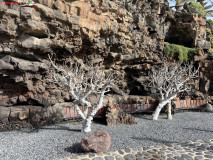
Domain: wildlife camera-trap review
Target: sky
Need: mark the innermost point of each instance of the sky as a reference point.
(173, 4)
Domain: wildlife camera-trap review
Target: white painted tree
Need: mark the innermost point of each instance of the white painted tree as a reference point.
(170, 80)
(81, 81)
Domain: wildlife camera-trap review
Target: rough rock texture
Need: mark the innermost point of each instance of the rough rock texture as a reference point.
(128, 36)
(188, 29)
(206, 80)
(99, 142)
(115, 116)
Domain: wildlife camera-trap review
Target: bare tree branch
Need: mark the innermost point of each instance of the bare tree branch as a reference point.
(81, 81)
(171, 79)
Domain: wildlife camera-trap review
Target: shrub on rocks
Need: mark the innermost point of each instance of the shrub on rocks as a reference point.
(183, 54)
(195, 7)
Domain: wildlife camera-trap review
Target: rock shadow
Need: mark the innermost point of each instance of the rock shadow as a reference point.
(75, 148)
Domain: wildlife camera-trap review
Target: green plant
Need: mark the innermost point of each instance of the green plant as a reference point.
(210, 22)
(208, 31)
(178, 4)
(211, 41)
(183, 53)
(208, 9)
(210, 35)
(195, 7)
(210, 52)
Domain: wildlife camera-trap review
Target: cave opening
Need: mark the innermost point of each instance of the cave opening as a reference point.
(138, 90)
(180, 36)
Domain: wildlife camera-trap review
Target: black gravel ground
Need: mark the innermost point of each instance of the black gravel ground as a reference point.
(62, 140)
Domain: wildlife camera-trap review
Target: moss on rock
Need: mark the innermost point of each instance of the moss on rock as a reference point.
(179, 51)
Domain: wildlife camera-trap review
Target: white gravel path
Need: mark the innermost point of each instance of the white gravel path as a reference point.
(62, 140)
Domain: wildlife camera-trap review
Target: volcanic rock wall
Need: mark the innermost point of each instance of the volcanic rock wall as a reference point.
(123, 34)
(127, 35)
(188, 30)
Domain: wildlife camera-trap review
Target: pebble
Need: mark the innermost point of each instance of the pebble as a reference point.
(109, 158)
(129, 157)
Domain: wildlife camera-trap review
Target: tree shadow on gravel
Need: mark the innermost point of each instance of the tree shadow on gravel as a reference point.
(143, 117)
(149, 116)
(58, 127)
(75, 148)
(33, 130)
(153, 140)
(196, 129)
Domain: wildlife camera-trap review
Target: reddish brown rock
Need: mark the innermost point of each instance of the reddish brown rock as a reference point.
(98, 142)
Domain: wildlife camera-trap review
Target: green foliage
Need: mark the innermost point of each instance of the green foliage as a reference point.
(181, 1)
(195, 7)
(183, 53)
(210, 22)
(210, 52)
(208, 31)
(208, 9)
(211, 42)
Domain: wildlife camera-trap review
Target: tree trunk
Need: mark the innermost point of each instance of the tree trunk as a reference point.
(161, 105)
(158, 109)
(87, 124)
(201, 2)
(178, 7)
(88, 121)
(169, 111)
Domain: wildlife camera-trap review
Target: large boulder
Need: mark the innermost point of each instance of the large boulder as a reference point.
(34, 28)
(31, 42)
(98, 142)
